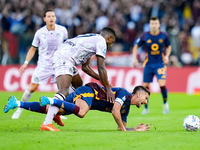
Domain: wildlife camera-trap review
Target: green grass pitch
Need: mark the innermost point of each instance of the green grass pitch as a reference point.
(97, 131)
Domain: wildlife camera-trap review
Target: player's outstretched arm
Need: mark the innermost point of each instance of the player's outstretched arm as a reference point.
(117, 116)
(135, 60)
(29, 56)
(104, 78)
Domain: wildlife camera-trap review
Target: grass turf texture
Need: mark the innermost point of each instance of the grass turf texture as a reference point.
(98, 129)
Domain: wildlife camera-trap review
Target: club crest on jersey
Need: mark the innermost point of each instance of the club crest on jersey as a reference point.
(36, 79)
(160, 40)
(149, 41)
(58, 35)
(44, 36)
(70, 70)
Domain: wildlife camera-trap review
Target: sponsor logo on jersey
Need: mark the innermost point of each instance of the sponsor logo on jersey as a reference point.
(122, 111)
(104, 51)
(62, 106)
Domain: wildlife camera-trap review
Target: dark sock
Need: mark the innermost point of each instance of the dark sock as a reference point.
(146, 106)
(164, 93)
(69, 107)
(33, 106)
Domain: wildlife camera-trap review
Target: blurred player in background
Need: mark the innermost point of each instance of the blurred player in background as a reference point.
(155, 42)
(91, 97)
(78, 51)
(47, 40)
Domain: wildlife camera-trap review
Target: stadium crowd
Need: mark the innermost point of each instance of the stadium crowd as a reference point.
(19, 19)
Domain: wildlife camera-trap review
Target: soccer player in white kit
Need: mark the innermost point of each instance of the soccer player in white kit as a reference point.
(78, 51)
(47, 40)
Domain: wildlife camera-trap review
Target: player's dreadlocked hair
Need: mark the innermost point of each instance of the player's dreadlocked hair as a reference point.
(140, 88)
(109, 31)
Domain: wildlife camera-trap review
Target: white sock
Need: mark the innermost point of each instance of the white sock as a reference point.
(18, 103)
(71, 89)
(26, 96)
(53, 110)
(51, 100)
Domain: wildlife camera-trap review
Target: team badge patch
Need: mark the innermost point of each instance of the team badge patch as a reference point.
(70, 70)
(149, 41)
(36, 79)
(58, 35)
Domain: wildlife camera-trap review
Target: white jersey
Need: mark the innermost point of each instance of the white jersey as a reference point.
(79, 49)
(48, 42)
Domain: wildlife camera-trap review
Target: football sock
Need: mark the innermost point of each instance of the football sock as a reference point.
(71, 89)
(146, 106)
(53, 110)
(33, 106)
(26, 96)
(69, 107)
(164, 93)
(18, 103)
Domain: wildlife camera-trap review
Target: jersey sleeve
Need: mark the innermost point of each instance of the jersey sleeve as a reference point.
(101, 47)
(124, 101)
(140, 40)
(124, 116)
(65, 34)
(167, 41)
(121, 97)
(36, 40)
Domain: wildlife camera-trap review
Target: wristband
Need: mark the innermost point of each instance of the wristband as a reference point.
(26, 62)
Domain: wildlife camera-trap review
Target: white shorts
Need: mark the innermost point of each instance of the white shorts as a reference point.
(62, 67)
(41, 75)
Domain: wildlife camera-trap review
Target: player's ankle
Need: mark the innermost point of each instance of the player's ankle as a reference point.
(47, 122)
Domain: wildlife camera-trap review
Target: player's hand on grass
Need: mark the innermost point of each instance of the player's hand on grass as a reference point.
(110, 96)
(142, 127)
(23, 67)
(135, 62)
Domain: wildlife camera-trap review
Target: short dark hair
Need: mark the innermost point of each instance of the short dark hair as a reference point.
(47, 11)
(140, 88)
(154, 18)
(109, 31)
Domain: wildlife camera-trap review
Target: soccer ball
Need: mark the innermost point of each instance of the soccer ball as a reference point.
(191, 123)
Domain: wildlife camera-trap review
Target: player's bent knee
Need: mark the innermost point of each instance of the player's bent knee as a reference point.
(81, 115)
(77, 84)
(65, 91)
(32, 89)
